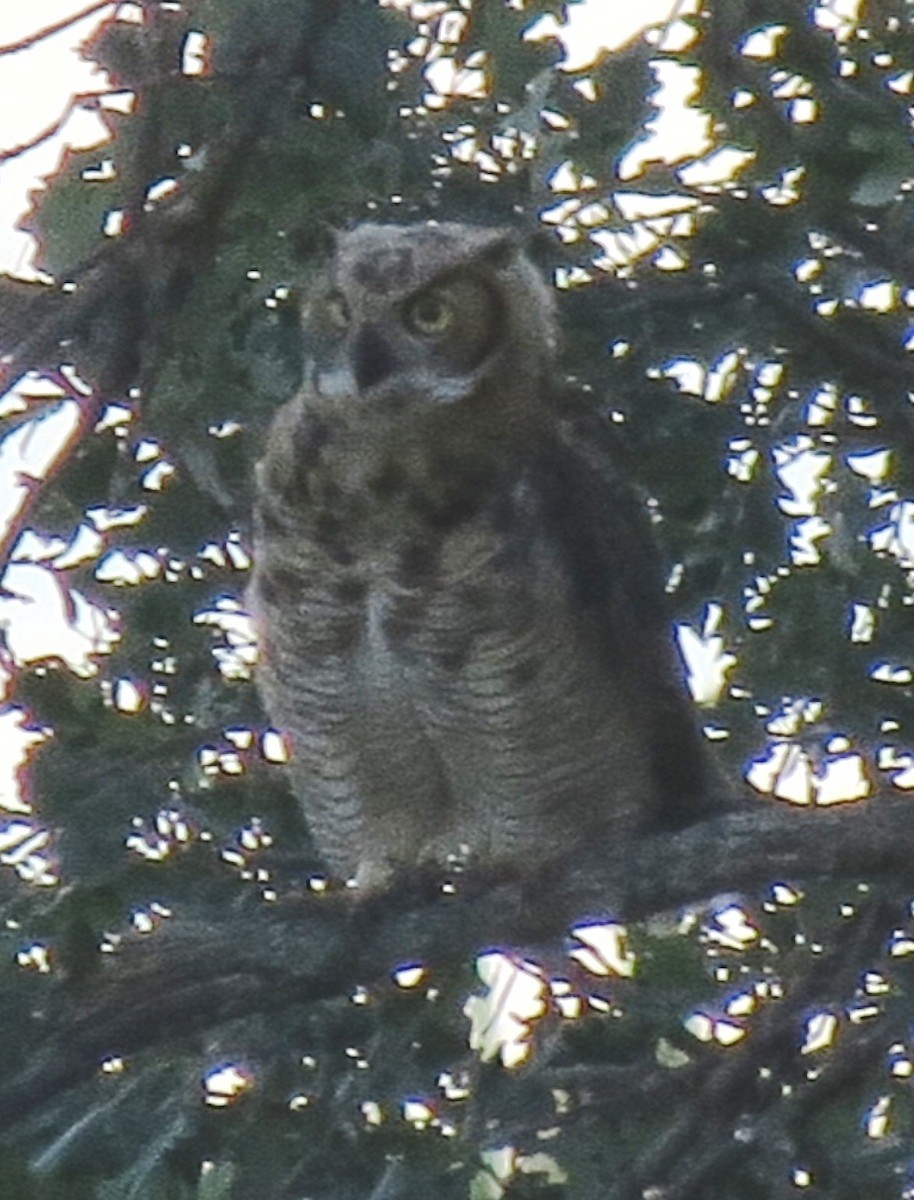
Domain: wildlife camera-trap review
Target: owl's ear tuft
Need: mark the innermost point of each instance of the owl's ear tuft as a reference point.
(502, 251)
(507, 245)
(541, 246)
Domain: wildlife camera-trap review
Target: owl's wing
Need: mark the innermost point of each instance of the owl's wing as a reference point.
(619, 581)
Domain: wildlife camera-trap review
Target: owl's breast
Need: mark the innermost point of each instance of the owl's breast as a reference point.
(506, 678)
(427, 649)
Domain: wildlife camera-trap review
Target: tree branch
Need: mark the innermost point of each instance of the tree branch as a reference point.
(49, 30)
(87, 100)
(731, 1093)
(196, 975)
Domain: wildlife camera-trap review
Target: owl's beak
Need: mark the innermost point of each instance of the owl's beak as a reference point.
(372, 361)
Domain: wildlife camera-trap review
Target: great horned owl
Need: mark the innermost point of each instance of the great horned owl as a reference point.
(462, 625)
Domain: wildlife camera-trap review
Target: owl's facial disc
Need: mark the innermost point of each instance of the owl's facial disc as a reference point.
(430, 314)
(336, 312)
(351, 357)
(433, 342)
(371, 358)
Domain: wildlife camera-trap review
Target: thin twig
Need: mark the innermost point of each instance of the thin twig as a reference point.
(86, 100)
(49, 30)
(89, 408)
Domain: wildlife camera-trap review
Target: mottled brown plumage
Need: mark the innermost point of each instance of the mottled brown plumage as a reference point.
(462, 622)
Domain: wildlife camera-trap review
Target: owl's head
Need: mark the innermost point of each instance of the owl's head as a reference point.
(427, 311)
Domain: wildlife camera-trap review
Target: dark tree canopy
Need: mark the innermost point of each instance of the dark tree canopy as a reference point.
(188, 1012)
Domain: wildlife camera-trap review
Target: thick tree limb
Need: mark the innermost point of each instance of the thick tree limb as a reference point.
(196, 975)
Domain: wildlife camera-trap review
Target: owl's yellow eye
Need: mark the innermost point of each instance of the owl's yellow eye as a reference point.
(336, 311)
(430, 314)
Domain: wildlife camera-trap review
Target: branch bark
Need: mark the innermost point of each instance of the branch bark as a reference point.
(306, 948)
